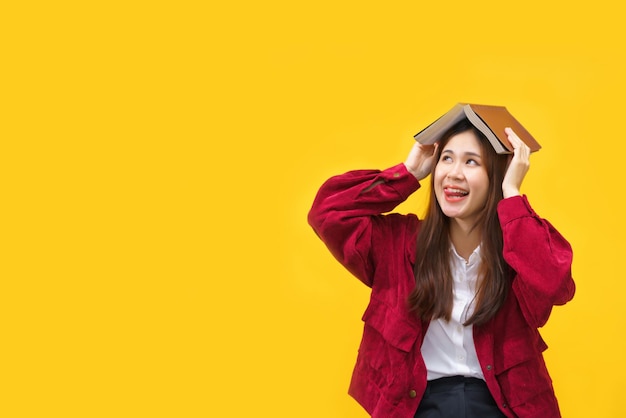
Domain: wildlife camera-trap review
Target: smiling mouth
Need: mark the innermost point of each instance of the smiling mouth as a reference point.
(454, 194)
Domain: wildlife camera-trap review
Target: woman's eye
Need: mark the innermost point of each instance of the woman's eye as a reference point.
(446, 158)
(472, 162)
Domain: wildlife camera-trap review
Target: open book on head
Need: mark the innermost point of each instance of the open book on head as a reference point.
(490, 120)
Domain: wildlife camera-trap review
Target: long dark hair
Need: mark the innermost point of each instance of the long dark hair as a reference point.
(433, 294)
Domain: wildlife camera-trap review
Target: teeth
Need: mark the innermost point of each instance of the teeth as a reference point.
(457, 191)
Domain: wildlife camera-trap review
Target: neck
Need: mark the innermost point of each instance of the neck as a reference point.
(464, 237)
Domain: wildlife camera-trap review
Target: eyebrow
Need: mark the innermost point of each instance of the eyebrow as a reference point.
(468, 153)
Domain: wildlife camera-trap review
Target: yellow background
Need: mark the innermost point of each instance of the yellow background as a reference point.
(158, 160)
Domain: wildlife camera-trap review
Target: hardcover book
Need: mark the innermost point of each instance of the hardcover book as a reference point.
(490, 120)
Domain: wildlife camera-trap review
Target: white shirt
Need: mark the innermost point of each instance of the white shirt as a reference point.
(448, 348)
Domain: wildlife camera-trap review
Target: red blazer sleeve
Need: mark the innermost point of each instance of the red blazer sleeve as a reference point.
(540, 257)
(345, 208)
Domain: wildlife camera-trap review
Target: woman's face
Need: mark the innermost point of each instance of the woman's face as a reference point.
(461, 182)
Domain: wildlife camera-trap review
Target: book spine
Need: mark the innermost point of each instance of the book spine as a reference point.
(485, 129)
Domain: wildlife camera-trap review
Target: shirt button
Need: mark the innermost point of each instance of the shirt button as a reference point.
(412, 393)
(396, 175)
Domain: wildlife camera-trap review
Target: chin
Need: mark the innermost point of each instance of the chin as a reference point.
(452, 214)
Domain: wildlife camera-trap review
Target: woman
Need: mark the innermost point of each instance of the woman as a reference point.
(456, 298)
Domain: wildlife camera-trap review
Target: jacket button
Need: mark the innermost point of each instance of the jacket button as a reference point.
(412, 393)
(489, 367)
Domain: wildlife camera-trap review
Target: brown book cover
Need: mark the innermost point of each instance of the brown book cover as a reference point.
(490, 120)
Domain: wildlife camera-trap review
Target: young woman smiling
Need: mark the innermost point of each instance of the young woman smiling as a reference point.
(457, 298)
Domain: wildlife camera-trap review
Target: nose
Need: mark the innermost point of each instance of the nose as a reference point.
(456, 171)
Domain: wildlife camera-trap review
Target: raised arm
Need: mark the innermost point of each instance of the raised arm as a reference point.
(537, 252)
(344, 209)
(348, 206)
(541, 257)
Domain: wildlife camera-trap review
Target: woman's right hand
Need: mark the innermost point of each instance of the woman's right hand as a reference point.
(421, 159)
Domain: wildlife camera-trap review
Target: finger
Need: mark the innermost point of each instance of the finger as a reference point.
(519, 147)
(513, 138)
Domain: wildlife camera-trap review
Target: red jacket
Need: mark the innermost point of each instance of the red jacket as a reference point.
(389, 378)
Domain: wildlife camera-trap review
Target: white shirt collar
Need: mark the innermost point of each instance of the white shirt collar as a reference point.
(473, 258)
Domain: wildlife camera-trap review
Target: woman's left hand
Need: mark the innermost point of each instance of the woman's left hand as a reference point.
(518, 165)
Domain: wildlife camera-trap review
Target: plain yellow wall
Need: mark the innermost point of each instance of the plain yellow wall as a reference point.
(159, 159)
